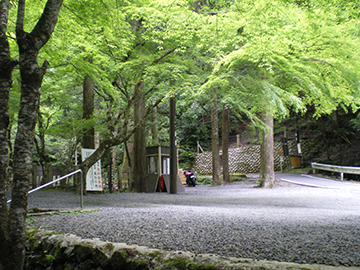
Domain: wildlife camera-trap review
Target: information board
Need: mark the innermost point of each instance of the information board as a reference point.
(93, 176)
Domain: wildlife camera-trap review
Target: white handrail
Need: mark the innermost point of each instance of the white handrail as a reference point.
(336, 168)
(59, 179)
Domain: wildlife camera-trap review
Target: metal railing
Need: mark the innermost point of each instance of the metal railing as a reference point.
(335, 168)
(59, 179)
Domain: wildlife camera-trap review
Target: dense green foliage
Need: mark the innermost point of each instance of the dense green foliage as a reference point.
(285, 56)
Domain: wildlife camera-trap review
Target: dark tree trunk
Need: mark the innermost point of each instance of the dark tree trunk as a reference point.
(225, 143)
(127, 163)
(154, 127)
(6, 67)
(215, 140)
(126, 170)
(88, 140)
(139, 166)
(12, 248)
(267, 174)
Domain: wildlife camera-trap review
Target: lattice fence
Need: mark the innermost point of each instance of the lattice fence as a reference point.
(244, 159)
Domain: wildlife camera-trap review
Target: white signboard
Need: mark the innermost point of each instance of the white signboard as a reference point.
(93, 176)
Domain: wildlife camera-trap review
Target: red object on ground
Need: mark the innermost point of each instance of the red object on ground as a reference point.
(162, 183)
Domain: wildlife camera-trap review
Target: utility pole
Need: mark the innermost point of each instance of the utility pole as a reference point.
(173, 161)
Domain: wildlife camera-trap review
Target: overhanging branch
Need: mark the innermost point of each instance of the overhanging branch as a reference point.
(168, 52)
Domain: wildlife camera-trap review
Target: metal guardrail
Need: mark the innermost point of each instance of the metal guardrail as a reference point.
(335, 168)
(59, 179)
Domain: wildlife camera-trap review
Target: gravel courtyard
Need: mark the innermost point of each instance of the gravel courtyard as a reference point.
(287, 223)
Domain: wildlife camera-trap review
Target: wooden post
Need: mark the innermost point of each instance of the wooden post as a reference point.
(173, 162)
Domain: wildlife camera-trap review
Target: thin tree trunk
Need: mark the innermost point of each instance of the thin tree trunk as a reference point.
(113, 163)
(44, 159)
(215, 140)
(139, 166)
(225, 143)
(113, 159)
(267, 174)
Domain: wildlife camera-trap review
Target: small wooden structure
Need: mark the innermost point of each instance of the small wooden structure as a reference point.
(158, 169)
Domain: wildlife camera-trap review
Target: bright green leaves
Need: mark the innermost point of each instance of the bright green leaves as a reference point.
(290, 56)
(258, 54)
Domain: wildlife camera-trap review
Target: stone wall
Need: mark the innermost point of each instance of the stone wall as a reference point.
(245, 159)
(47, 250)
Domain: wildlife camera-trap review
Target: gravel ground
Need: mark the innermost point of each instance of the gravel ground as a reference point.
(287, 223)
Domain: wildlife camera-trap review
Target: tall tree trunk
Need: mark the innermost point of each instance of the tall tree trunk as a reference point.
(88, 140)
(215, 140)
(29, 106)
(139, 166)
(6, 67)
(12, 248)
(113, 159)
(154, 127)
(128, 162)
(113, 163)
(267, 174)
(225, 143)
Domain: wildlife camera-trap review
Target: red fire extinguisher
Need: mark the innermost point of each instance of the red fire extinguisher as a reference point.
(162, 183)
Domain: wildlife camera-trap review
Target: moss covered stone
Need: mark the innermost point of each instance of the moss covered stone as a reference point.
(118, 259)
(99, 257)
(87, 265)
(196, 266)
(71, 252)
(83, 252)
(178, 263)
(58, 252)
(181, 263)
(46, 260)
(108, 247)
(137, 264)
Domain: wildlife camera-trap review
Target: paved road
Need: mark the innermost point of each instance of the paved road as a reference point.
(318, 182)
